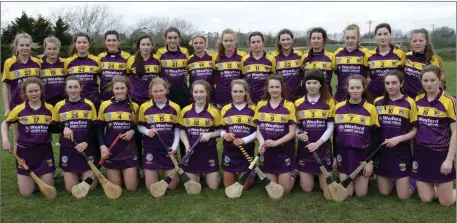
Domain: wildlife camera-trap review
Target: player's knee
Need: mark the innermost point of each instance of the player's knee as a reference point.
(361, 193)
(68, 188)
(172, 186)
(403, 196)
(446, 202)
(26, 192)
(384, 191)
(131, 187)
(426, 198)
(306, 188)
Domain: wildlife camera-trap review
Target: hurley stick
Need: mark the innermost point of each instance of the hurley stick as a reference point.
(236, 189)
(110, 148)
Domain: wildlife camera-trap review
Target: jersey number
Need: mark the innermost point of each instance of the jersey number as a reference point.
(174, 64)
(425, 112)
(196, 122)
(287, 64)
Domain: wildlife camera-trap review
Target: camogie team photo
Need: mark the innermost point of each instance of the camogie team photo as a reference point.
(331, 122)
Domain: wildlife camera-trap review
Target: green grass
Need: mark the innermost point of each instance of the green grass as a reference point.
(213, 206)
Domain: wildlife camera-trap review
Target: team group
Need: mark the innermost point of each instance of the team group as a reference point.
(272, 98)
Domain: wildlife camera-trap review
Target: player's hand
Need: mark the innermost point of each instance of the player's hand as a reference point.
(81, 147)
(238, 142)
(104, 152)
(335, 165)
(68, 133)
(270, 143)
(446, 167)
(205, 137)
(392, 142)
(303, 137)
(152, 132)
(262, 150)
(229, 137)
(127, 135)
(171, 152)
(368, 170)
(6, 145)
(313, 146)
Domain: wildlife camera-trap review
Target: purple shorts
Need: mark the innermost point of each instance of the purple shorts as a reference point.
(306, 162)
(233, 161)
(38, 157)
(157, 159)
(203, 160)
(427, 165)
(280, 159)
(121, 164)
(394, 162)
(348, 159)
(71, 161)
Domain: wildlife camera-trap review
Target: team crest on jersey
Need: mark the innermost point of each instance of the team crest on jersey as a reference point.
(42, 72)
(437, 113)
(379, 109)
(262, 117)
(72, 69)
(121, 66)
(359, 59)
(103, 65)
(249, 120)
(283, 118)
(401, 111)
(49, 162)
(164, 63)
(47, 119)
(229, 120)
(149, 157)
(402, 166)
(25, 119)
(64, 159)
(393, 63)
(151, 118)
(287, 161)
(261, 159)
(339, 158)
(187, 122)
(340, 117)
(212, 162)
(192, 65)
(86, 114)
(324, 66)
(301, 114)
(17, 73)
(339, 59)
(362, 120)
(110, 116)
(227, 159)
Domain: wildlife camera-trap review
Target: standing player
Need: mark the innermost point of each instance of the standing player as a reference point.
(276, 124)
(397, 117)
(200, 65)
(113, 62)
(238, 129)
(85, 67)
(227, 66)
(315, 116)
(433, 159)
(173, 60)
(34, 147)
(350, 59)
(15, 70)
(201, 118)
(317, 57)
(75, 117)
(384, 58)
(356, 123)
(118, 116)
(288, 63)
(52, 71)
(422, 54)
(257, 66)
(159, 116)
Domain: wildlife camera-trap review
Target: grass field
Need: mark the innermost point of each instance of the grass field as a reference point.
(214, 206)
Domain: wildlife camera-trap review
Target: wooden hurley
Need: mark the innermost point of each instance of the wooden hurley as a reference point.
(274, 190)
(82, 189)
(48, 191)
(333, 191)
(236, 189)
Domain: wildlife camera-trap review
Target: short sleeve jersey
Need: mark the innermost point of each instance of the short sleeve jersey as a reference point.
(200, 68)
(256, 72)
(413, 66)
(139, 85)
(173, 65)
(195, 123)
(112, 64)
(87, 69)
(238, 122)
(289, 67)
(324, 61)
(274, 122)
(53, 78)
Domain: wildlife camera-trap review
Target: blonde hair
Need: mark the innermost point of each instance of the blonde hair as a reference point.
(51, 39)
(198, 36)
(220, 46)
(244, 84)
(16, 42)
(157, 81)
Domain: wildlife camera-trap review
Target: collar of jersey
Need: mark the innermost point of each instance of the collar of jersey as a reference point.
(67, 100)
(358, 105)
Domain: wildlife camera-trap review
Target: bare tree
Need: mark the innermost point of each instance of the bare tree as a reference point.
(156, 26)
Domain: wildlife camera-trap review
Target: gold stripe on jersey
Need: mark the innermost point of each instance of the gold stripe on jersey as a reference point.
(394, 110)
(113, 66)
(35, 119)
(83, 69)
(26, 72)
(379, 64)
(313, 113)
(229, 65)
(257, 68)
(52, 72)
(200, 64)
(178, 63)
(198, 122)
(349, 60)
(353, 119)
(288, 64)
(239, 119)
(318, 65)
(275, 118)
(158, 118)
(76, 114)
(430, 112)
(118, 116)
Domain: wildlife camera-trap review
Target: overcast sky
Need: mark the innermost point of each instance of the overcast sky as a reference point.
(267, 16)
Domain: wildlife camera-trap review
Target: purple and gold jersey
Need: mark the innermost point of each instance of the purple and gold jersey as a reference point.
(33, 124)
(413, 66)
(238, 122)
(313, 118)
(53, 78)
(434, 119)
(397, 117)
(139, 86)
(346, 64)
(165, 120)
(117, 119)
(79, 116)
(354, 123)
(256, 72)
(15, 72)
(87, 69)
(173, 65)
(200, 68)
(289, 67)
(274, 122)
(227, 69)
(112, 64)
(324, 61)
(196, 123)
(379, 65)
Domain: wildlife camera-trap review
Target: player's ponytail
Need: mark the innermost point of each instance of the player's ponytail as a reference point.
(357, 30)
(220, 46)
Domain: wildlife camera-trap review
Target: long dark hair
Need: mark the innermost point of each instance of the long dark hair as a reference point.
(362, 79)
(284, 89)
(73, 46)
(310, 33)
(139, 61)
(278, 38)
(387, 26)
(400, 76)
(316, 74)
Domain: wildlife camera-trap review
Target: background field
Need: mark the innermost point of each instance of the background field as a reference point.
(214, 206)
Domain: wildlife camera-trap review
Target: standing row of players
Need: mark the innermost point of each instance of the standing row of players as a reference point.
(357, 125)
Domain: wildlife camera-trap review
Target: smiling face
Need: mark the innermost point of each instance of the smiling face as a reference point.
(256, 44)
(313, 87)
(418, 42)
(199, 44)
(199, 94)
(24, 46)
(172, 40)
(355, 89)
(238, 94)
(120, 91)
(82, 45)
(383, 36)
(392, 84)
(159, 93)
(145, 46)
(73, 89)
(286, 41)
(33, 92)
(51, 50)
(111, 43)
(350, 39)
